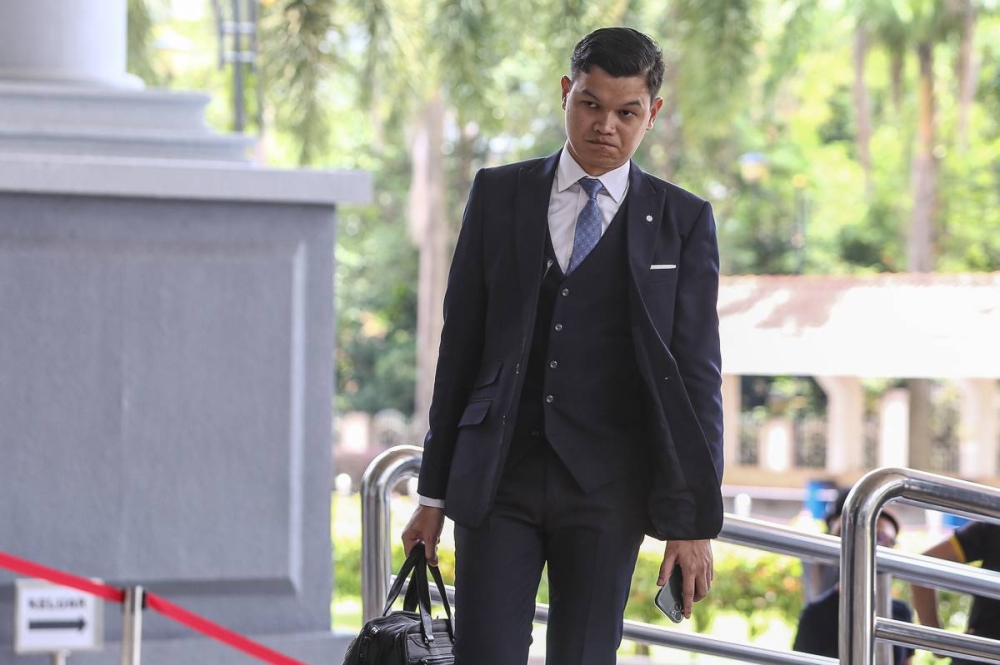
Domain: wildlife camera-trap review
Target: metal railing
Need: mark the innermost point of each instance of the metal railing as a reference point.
(862, 628)
(403, 462)
(381, 476)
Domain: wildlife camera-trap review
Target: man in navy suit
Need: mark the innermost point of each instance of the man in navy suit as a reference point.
(577, 401)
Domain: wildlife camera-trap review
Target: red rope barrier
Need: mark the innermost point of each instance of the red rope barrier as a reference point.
(202, 625)
(32, 569)
(161, 605)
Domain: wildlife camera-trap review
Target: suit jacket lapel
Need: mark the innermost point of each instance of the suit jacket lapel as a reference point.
(645, 215)
(534, 187)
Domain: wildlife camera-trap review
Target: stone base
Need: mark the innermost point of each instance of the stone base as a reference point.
(38, 118)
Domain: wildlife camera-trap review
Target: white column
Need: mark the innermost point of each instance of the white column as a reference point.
(894, 428)
(845, 412)
(979, 430)
(65, 41)
(777, 445)
(731, 401)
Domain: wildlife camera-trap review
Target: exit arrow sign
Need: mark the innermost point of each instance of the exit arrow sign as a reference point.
(49, 618)
(57, 625)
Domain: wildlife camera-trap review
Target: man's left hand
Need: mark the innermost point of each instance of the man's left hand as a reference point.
(695, 559)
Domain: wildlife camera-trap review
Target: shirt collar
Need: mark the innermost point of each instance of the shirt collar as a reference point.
(569, 172)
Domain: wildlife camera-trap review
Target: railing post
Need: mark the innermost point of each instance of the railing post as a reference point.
(857, 563)
(883, 605)
(376, 538)
(857, 559)
(132, 625)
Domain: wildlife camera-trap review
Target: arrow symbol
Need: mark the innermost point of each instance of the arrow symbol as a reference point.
(57, 625)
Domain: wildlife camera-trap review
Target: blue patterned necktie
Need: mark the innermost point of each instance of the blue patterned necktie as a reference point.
(588, 224)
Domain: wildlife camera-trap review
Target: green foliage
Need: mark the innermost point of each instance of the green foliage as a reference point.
(761, 587)
(344, 83)
(141, 60)
(376, 307)
(298, 58)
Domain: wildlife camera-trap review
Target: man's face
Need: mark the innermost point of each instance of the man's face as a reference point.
(606, 118)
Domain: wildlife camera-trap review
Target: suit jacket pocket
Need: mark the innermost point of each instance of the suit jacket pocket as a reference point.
(488, 373)
(475, 412)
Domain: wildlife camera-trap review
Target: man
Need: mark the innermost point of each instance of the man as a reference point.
(976, 541)
(819, 624)
(577, 401)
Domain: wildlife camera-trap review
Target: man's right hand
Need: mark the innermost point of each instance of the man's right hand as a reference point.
(425, 527)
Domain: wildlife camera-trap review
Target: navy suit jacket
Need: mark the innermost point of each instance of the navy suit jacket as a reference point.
(490, 308)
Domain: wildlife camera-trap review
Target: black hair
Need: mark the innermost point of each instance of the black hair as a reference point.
(836, 509)
(620, 52)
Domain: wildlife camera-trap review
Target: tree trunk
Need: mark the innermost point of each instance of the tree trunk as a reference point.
(862, 106)
(924, 171)
(429, 229)
(967, 72)
(921, 439)
(897, 64)
(921, 243)
(669, 116)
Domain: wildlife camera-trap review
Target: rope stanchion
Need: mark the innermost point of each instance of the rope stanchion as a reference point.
(214, 630)
(154, 602)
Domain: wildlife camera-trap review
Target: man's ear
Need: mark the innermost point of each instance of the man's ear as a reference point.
(653, 110)
(567, 85)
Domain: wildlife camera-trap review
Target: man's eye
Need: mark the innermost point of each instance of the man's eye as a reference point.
(627, 114)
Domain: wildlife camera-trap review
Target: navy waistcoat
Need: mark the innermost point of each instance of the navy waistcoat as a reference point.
(582, 391)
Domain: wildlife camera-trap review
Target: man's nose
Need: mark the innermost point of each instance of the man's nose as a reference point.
(605, 124)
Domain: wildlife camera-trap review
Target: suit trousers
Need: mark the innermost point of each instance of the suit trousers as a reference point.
(589, 542)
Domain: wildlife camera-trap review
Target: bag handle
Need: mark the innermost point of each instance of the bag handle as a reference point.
(436, 574)
(418, 595)
(417, 553)
(424, 597)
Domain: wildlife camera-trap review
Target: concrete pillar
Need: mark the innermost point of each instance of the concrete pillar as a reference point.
(845, 423)
(166, 343)
(64, 90)
(777, 445)
(979, 429)
(894, 428)
(66, 41)
(731, 401)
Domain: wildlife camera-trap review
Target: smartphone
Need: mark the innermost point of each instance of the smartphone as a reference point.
(670, 596)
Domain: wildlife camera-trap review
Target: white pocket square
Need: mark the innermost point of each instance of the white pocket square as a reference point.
(662, 266)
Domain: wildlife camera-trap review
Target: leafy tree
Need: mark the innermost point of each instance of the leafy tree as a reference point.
(424, 92)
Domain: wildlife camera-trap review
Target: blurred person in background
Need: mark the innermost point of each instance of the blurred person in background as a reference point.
(819, 624)
(972, 543)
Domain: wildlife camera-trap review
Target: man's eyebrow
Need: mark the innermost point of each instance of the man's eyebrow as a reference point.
(634, 102)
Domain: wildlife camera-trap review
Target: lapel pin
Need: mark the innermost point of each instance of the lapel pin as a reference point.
(649, 218)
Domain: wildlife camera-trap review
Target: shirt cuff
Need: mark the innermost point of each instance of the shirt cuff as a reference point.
(431, 503)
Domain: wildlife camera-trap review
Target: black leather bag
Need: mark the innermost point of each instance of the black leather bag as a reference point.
(410, 637)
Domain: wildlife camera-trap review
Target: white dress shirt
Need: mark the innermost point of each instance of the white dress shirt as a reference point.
(568, 198)
(565, 203)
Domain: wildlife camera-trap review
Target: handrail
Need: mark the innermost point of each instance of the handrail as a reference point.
(822, 548)
(858, 560)
(383, 474)
(665, 637)
(402, 462)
